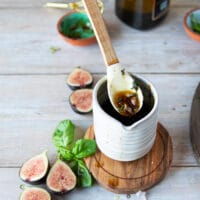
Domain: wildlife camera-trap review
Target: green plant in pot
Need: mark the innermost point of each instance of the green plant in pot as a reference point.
(75, 28)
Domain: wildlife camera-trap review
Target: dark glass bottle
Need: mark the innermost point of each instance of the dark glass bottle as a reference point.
(141, 14)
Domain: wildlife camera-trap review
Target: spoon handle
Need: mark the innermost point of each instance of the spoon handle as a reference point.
(101, 32)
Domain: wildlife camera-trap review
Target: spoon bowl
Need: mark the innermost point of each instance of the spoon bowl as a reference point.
(118, 79)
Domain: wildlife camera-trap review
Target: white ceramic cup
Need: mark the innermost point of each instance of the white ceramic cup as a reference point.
(124, 142)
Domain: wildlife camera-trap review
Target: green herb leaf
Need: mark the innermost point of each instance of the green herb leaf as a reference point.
(63, 135)
(195, 23)
(84, 148)
(73, 165)
(123, 72)
(63, 138)
(76, 25)
(54, 49)
(65, 154)
(121, 108)
(84, 176)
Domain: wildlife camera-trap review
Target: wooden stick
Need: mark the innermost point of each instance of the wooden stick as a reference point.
(101, 32)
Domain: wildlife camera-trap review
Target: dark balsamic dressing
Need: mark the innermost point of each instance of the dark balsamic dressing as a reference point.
(148, 103)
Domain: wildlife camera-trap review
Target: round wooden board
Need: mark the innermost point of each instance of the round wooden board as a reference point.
(130, 177)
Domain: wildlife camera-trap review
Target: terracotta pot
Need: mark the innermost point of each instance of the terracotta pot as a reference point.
(74, 41)
(187, 26)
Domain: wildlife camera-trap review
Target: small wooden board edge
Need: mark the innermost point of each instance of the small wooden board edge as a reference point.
(116, 181)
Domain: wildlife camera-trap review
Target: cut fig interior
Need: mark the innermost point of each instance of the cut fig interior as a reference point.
(61, 178)
(81, 100)
(34, 193)
(79, 78)
(35, 169)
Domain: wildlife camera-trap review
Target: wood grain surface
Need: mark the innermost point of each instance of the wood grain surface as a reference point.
(101, 32)
(34, 96)
(133, 176)
(32, 105)
(35, 32)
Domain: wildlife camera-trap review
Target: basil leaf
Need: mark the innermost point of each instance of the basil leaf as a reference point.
(63, 138)
(63, 135)
(73, 165)
(65, 154)
(84, 148)
(84, 176)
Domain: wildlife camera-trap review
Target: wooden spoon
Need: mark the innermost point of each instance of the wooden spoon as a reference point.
(117, 78)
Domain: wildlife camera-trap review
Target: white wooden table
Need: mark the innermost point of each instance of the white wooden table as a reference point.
(34, 97)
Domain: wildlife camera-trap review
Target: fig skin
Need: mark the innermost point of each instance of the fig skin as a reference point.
(60, 191)
(27, 189)
(41, 179)
(82, 82)
(76, 107)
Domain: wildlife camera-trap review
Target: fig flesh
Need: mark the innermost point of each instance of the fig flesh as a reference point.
(81, 101)
(34, 193)
(79, 78)
(61, 178)
(35, 169)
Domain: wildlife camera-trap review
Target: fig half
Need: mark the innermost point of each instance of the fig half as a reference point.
(81, 101)
(35, 169)
(34, 193)
(61, 178)
(79, 78)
